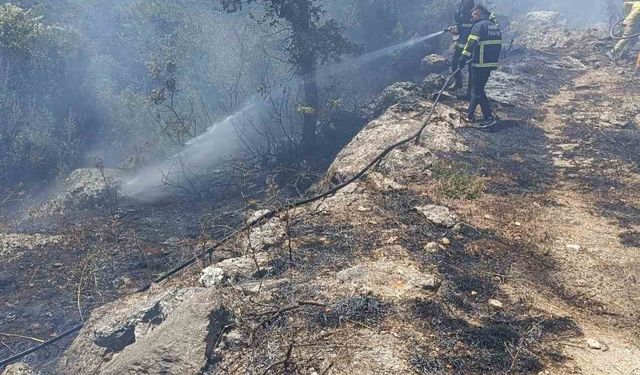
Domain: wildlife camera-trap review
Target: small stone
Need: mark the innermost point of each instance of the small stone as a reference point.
(574, 247)
(432, 247)
(438, 215)
(445, 241)
(474, 293)
(58, 265)
(487, 217)
(171, 241)
(517, 224)
(496, 304)
(594, 344)
(212, 277)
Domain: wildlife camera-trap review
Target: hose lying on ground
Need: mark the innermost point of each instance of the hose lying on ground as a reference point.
(260, 220)
(621, 37)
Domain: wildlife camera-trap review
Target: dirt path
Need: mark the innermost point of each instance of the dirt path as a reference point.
(564, 180)
(593, 229)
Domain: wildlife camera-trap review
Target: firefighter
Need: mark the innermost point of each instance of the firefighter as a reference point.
(462, 30)
(631, 26)
(482, 50)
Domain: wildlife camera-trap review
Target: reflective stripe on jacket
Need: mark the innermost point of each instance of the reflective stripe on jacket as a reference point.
(484, 44)
(464, 23)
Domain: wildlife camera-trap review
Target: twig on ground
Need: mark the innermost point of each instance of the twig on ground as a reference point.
(79, 293)
(21, 337)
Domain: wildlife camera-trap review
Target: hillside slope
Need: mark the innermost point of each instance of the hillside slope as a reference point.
(510, 251)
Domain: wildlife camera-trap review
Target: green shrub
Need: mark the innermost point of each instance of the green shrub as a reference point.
(454, 182)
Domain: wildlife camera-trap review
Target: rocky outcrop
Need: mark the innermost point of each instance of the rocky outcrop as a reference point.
(379, 278)
(395, 125)
(83, 188)
(405, 93)
(162, 333)
(19, 369)
(434, 64)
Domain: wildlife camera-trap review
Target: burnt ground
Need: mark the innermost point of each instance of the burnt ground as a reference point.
(43, 289)
(562, 174)
(553, 236)
(47, 288)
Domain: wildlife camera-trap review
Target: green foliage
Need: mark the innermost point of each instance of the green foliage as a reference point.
(34, 126)
(455, 182)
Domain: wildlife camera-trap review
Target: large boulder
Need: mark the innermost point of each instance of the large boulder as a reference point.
(439, 215)
(433, 83)
(85, 188)
(434, 64)
(166, 333)
(406, 93)
(396, 124)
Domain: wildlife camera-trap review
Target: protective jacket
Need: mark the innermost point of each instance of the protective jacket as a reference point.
(631, 25)
(484, 44)
(630, 5)
(464, 23)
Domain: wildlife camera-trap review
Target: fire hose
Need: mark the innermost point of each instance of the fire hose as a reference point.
(612, 31)
(260, 220)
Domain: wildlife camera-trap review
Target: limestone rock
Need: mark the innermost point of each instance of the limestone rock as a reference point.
(212, 277)
(264, 236)
(434, 64)
(432, 247)
(438, 215)
(18, 369)
(394, 125)
(496, 304)
(594, 344)
(400, 92)
(84, 188)
(390, 279)
(433, 83)
(573, 247)
(381, 183)
(166, 333)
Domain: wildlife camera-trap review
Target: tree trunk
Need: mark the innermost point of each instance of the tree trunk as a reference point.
(305, 59)
(309, 125)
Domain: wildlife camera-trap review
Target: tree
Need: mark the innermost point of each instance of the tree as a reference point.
(37, 123)
(312, 40)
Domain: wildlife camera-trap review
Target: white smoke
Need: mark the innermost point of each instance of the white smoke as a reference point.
(220, 141)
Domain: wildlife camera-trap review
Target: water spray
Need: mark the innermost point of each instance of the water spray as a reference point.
(375, 55)
(222, 138)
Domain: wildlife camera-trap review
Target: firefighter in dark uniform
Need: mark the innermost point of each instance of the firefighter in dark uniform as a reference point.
(462, 29)
(482, 50)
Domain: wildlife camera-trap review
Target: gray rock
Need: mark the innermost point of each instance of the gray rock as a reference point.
(496, 304)
(263, 236)
(432, 247)
(389, 278)
(407, 93)
(594, 344)
(572, 247)
(235, 269)
(18, 369)
(433, 83)
(212, 277)
(434, 64)
(438, 215)
(165, 333)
